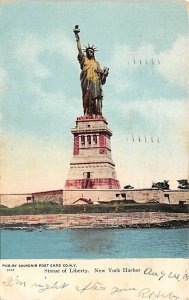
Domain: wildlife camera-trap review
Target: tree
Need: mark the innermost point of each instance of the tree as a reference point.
(163, 185)
(128, 187)
(183, 184)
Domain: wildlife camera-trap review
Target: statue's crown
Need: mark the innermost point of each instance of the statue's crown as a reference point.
(89, 47)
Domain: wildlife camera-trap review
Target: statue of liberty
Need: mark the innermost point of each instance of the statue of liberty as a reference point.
(92, 78)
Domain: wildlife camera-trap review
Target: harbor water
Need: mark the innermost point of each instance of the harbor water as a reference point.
(95, 243)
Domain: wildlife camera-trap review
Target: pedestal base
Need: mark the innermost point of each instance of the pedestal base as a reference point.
(92, 166)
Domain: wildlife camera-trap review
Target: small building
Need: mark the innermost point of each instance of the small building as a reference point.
(83, 201)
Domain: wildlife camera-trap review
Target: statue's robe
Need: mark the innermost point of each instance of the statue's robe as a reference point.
(91, 85)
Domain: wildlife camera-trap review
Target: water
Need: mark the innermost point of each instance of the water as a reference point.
(95, 243)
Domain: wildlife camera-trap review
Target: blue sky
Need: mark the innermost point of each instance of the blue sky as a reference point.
(41, 97)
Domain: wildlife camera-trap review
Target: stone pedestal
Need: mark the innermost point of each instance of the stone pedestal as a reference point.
(92, 166)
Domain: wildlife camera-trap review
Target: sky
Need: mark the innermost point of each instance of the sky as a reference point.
(145, 97)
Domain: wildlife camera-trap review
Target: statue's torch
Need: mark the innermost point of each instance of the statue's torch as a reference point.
(76, 31)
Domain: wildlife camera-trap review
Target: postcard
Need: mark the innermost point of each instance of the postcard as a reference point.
(94, 150)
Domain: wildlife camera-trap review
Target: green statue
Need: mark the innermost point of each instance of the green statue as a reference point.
(92, 78)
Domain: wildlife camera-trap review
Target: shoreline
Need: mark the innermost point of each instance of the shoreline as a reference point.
(40, 227)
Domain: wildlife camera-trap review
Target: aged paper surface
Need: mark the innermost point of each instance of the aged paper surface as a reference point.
(96, 279)
(31, 123)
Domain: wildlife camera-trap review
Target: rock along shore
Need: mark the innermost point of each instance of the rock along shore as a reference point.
(101, 220)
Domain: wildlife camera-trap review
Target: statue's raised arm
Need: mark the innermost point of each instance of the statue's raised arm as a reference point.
(92, 78)
(77, 31)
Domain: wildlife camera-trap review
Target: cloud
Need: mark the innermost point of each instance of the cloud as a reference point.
(171, 63)
(175, 62)
(140, 163)
(52, 103)
(157, 115)
(127, 58)
(39, 72)
(31, 47)
(3, 86)
(60, 43)
(30, 164)
(27, 53)
(3, 81)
